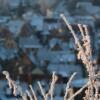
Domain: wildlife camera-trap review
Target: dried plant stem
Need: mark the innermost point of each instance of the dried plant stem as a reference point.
(29, 95)
(42, 91)
(16, 88)
(68, 85)
(72, 31)
(78, 92)
(24, 96)
(80, 48)
(33, 92)
(84, 53)
(81, 30)
(51, 90)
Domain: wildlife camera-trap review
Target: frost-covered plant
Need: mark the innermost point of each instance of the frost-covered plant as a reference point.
(50, 94)
(85, 54)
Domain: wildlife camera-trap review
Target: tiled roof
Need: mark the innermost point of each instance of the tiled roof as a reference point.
(37, 21)
(65, 69)
(29, 42)
(7, 53)
(15, 26)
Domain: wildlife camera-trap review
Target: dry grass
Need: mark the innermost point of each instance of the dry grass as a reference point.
(49, 94)
(85, 54)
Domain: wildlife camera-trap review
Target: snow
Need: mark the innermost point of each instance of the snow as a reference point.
(61, 69)
(7, 53)
(29, 42)
(54, 41)
(60, 56)
(37, 20)
(88, 6)
(66, 70)
(28, 15)
(3, 84)
(79, 82)
(15, 26)
(4, 19)
(88, 20)
(61, 9)
(58, 98)
(37, 71)
(14, 3)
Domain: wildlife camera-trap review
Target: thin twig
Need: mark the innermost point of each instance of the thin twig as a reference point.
(51, 90)
(78, 92)
(68, 85)
(33, 92)
(29, 95)
(42, 90)
(81, 29)
(72, 31)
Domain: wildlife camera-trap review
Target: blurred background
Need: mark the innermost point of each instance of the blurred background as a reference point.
(34, 42)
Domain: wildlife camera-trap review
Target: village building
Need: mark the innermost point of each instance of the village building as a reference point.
(8, 44)
(15, 26)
